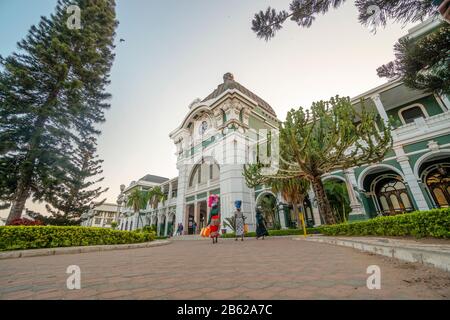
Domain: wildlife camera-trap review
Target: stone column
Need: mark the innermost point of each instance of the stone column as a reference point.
(167, 223)
(355, 204)
(169, 196)
(281, 211)
(315, 209)
(158, 225)
(411, 179)
(380, 108)
(182, 184)
(208, 210)
(232, 182)
(186, 220)
(197, 215)
(446, 100)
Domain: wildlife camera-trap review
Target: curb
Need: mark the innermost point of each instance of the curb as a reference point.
(232, 238)
(427, 256)
(75, 250)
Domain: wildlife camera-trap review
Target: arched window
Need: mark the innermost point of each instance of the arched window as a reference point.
(394, 201)
(384, 204)
(405, 199)
(204, 172)
(393, 196)
(437, 180)
(440, 197)
(409, 114)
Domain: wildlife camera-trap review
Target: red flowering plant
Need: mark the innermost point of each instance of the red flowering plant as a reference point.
(26, 222)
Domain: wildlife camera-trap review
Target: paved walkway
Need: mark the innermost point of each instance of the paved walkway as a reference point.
(276, 268)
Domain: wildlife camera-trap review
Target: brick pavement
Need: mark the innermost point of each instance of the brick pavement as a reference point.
(276, 268)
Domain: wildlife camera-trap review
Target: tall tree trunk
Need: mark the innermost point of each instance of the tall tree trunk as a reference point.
(322, 201)
(20, 197)
(26, 174)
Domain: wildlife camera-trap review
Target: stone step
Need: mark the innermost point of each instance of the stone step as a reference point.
(436, 255)
(191, 237)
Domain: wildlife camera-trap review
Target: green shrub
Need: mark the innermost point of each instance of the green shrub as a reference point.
(24, 237)
(433, 223)
(275, 233)
(147, 229)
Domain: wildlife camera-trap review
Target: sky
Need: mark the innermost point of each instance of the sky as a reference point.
(176, 51)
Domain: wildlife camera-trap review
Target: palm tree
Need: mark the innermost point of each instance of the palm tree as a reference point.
(294, 191)
(137, 200)
(337, 194)
(155, 196)
(230, 223)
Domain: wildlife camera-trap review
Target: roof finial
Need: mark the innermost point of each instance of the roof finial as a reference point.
(228, 77)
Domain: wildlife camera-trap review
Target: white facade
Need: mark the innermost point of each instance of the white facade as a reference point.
(218, 134)
(213, 143)
(101, 216)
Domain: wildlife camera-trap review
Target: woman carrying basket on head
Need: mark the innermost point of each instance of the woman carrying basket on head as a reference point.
(214, 217)
(239, 220)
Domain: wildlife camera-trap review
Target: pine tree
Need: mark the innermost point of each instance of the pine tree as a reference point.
(71, 198)
(423, 64)
(372, 13)
(51, 90)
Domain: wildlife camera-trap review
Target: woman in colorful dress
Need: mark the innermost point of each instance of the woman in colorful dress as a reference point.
(214, 217)
(261, 230)
(239, 220)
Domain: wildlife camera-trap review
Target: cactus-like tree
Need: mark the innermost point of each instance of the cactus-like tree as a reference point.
(332, 135)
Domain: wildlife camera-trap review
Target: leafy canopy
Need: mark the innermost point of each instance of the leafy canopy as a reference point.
(372, 13)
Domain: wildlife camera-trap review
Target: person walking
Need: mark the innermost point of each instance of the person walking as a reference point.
(181, 229)
(194, 227)
(214, 217)
(239, 221)
(261, 230)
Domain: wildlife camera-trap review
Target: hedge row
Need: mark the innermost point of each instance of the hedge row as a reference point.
(275, 233)
(34, 237)
(433, 223)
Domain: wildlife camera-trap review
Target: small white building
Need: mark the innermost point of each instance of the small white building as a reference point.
(129, 220)
(101, 216)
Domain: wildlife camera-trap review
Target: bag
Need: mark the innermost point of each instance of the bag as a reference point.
(205, 232)
(245, 228)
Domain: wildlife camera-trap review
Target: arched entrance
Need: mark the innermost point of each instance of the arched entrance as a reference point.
(388, 190)
(170, 227)
(293, 220)
(155, 221)
(268, 204)
(162, 226)
(190, 219)
(392, 195)
(435, 176)
(337, 194)
(203, 219)
(203, 181)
